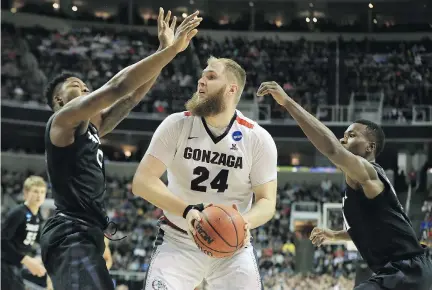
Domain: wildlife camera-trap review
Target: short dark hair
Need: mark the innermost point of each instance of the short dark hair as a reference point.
(376, 132)
(52, 85)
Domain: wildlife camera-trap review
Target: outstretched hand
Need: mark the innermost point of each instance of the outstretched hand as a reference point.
(274, 89)
(186, 31)
(319, 236)
(165, 29)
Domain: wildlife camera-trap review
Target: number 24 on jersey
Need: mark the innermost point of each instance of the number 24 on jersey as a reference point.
(219, 182)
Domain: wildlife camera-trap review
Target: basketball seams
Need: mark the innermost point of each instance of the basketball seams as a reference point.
(222, 232)
(196, 237)
(207, 220)
(235, 228)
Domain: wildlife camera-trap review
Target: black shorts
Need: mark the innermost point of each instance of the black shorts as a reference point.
(11, 278)
(72, 253)
(411, 274)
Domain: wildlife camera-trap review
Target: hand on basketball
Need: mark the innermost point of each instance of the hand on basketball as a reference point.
(194, 216)
(186, 31)
(34, 266)
(274, 89)
(319, 236)
(246, 229)
(165, 29)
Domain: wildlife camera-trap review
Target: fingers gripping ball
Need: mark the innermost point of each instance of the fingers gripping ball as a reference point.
(221, 231)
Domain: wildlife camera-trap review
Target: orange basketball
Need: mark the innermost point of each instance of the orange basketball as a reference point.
(220, 232)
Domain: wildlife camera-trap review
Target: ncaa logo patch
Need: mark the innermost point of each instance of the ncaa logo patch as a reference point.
(237, 136)
(158, 284)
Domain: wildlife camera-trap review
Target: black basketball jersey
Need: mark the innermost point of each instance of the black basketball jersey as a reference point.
(77, 176)
(20, 230)
(379, 227)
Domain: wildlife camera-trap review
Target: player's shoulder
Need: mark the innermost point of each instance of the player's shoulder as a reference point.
(18, 210)
(179, 117)
(250, 126)
(176, 119)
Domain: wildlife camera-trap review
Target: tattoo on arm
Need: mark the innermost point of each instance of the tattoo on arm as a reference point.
(115, 114)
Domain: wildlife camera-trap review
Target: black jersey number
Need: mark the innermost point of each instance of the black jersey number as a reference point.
(220, 182)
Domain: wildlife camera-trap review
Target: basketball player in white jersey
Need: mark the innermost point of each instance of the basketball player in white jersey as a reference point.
(213, 154)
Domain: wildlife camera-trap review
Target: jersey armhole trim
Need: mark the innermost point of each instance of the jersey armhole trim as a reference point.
(264, 182)
(362, 191)
(159, 160)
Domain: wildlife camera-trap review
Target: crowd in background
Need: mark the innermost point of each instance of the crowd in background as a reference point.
(426, 225)
(401, 71)
(32, 56)
(274, 242)
(306, 70)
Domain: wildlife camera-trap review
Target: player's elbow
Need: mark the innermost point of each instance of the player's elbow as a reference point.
(142, 184)
(272, 210)
(336, 154)
(138, 186)
(117, 89)
(270, 207)
(333, 150)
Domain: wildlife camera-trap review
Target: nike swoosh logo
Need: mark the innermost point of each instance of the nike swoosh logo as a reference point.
(192, 138)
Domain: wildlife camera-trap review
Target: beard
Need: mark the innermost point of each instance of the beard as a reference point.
(210, 106)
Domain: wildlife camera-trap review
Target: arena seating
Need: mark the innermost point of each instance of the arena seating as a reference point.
(274, 243)
(426, 226)
(401, 71)
(31, 56)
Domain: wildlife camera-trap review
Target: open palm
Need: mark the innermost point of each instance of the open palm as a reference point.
(165, 29)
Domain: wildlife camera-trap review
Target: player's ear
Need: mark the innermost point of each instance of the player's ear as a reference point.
(58, 100)
(371, 147)
(233, 89)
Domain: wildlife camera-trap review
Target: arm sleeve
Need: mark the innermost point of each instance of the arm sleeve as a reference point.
(164, 141)
(264, 165)
(9, 227)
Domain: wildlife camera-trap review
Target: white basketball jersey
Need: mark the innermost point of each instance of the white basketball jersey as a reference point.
(209, 168)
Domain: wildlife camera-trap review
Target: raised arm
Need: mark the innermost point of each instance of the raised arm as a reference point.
(83, 108)
(358, 170)
(113, 115)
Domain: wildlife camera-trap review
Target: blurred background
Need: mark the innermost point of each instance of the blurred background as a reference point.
(342, 60)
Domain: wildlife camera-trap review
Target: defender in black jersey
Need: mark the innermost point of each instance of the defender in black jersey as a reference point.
(373, 217)
(20, 230)
(73, 240)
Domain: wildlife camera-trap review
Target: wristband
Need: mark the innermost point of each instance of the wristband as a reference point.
(199, 207)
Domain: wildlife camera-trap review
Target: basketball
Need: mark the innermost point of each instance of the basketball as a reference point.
(221, 231)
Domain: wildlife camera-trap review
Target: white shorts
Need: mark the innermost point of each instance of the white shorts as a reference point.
(178, 264)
